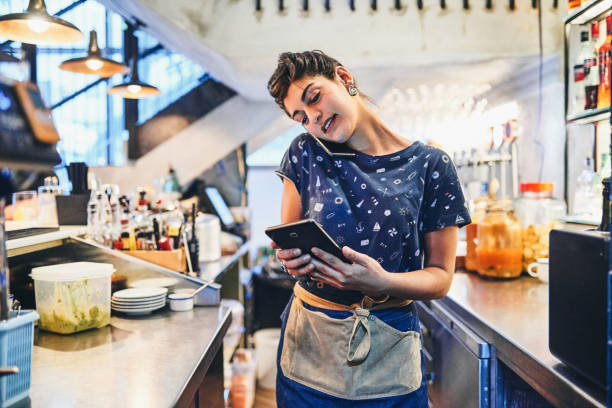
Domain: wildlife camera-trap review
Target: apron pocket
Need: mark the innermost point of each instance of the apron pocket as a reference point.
(315, 351)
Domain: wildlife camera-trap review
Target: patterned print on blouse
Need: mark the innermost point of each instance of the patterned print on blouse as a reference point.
(378, 205)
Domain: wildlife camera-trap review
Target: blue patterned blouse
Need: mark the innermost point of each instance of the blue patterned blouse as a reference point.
(378, 205)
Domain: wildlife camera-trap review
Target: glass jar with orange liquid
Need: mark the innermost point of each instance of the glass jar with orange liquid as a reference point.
(500, 248)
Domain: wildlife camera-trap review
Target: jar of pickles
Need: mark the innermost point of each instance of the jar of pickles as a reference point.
(500, 249)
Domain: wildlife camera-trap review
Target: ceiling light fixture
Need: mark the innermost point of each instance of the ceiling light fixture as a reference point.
(36, 26)
(134, 88)
(94, 63)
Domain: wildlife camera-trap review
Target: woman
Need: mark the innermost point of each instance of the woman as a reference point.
(350, 334)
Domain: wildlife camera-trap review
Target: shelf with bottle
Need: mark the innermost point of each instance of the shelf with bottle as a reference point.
(588, 11)
(588, 95)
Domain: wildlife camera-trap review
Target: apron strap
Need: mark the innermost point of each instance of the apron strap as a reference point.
(360, 341)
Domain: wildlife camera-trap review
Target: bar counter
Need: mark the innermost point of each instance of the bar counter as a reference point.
(513, 317)
(156, 360)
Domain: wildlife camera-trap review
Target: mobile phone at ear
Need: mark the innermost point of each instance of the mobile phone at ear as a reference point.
(304, 234)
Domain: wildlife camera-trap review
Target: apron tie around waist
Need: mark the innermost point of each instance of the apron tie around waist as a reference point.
(360, 340)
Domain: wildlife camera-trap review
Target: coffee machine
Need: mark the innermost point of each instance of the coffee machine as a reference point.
(578, 300)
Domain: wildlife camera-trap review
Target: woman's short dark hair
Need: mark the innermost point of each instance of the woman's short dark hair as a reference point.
(295, 65)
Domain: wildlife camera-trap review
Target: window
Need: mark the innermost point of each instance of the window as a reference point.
(91, 124)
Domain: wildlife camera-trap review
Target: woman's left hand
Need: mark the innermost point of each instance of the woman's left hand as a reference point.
(365, 274)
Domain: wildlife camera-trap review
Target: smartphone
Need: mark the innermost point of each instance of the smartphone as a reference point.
(304, 234)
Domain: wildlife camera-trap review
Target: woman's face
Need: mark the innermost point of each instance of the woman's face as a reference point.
(324, 107)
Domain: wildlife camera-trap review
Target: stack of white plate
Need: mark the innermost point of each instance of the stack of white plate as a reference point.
(139, 301)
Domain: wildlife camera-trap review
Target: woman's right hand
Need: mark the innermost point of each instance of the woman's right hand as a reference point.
(297, 264)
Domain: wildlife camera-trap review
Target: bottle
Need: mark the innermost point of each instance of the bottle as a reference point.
(606, 209)
(93, 218)
(591, 68)
(585, 199)
(573, 4)
(579, 73)
(603, 97)
(171, 183)
(193, 244)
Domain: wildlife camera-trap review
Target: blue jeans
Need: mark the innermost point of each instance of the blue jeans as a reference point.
(291, 394)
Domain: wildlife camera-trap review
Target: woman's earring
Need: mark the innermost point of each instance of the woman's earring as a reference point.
(352, 90)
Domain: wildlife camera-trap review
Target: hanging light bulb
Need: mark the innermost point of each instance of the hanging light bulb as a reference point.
(94, 63)
(36, 26)
(134, 88)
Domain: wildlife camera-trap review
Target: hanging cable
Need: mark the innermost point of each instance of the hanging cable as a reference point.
(537, 134)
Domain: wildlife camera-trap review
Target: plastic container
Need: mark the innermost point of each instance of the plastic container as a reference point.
(266, 348)
(73, 297)
(208, 232)
(500, 246)
(16, 341)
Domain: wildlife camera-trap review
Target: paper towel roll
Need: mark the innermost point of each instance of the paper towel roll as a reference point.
(208, 232)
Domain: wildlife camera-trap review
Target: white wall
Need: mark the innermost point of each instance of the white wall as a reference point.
(265, 192)
(541, 146)
(239, 46)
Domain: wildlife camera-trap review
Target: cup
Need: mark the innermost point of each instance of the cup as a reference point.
(539, 269)
(25, 206)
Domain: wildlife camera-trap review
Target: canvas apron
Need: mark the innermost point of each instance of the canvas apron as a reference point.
(360, 357)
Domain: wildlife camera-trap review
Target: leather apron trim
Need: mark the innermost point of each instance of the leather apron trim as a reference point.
(366, 302)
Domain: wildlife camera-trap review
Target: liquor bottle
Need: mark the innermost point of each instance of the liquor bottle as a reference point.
(591, 70)
(579, 73)
(606, 209)
(603, 97)
(573, 4)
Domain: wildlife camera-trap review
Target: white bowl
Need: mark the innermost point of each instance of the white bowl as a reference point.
(180, 302)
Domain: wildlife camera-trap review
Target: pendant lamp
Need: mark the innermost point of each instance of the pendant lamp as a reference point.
(94, 63)
(36, 26)
(134, 88)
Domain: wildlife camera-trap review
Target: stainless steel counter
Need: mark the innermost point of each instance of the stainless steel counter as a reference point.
(146, 361)
(513, 317)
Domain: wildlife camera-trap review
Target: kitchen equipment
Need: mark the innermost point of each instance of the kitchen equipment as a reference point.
(578, 299)
(208, 233)
(458, 363)
(499, 251)
(16, 341)
(72, 297)
(539, 269)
